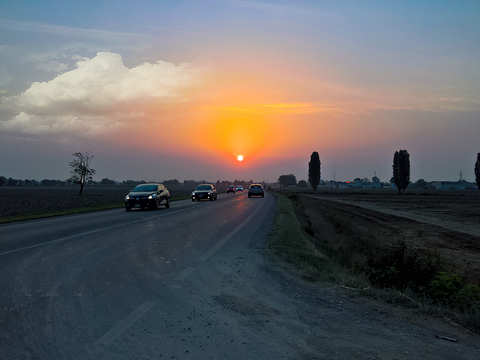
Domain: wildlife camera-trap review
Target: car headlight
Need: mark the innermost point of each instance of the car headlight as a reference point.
(153, 196)
(127, 197)
(193, 193)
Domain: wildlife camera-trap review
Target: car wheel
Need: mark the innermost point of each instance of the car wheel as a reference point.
(127, 208)
(193, 199)
(167, 204)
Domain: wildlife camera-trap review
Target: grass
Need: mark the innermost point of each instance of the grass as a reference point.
(319, 244)
(291, 242)
(79, 210)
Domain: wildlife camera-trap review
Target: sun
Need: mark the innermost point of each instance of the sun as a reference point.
(239, 157)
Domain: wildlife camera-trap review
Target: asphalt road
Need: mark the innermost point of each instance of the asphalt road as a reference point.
(133, 285)
(191, 282)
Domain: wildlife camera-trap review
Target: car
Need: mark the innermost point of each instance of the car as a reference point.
(147, 196)
(230, 189)
(204, 191)
(239, 188)
(256, 190)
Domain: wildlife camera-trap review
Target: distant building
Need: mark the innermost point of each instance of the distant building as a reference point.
(454, 185)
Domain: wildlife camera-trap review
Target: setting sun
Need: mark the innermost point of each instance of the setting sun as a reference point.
(239, 157)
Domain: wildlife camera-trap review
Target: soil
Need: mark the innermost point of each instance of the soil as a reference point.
(447, 224)
(27, 200)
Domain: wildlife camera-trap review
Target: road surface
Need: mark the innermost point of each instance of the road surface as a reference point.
(189, 282)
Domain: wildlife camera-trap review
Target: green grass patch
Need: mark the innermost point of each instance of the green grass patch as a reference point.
(292, 242)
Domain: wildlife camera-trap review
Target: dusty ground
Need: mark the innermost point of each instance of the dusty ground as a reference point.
(448, 224)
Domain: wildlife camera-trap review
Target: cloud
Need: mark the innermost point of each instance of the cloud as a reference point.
(284, 108)
(100, 94)
(66, 31)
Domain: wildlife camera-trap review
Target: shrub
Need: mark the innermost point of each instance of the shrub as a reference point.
(449, 289)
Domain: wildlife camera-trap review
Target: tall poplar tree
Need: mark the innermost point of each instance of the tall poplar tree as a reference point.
(477, 171)
(401, 170)
(314, 170)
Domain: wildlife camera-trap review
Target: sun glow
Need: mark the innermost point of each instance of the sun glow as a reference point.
(239, 157)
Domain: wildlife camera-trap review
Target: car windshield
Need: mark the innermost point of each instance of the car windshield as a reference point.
(203, 187)
(145, 188)
(256, 187)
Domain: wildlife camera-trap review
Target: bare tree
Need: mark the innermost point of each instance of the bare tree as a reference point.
(81, 170)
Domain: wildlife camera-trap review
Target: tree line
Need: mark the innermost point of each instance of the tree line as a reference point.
(82, 173)
(401, 173)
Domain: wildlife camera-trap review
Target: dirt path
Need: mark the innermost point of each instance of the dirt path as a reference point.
(334, 323)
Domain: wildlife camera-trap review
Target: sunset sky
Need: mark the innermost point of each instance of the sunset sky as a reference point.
(158, 90)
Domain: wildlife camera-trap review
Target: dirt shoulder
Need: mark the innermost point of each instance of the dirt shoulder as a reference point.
(335, 323)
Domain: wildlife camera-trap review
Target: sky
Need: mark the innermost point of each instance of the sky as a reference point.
(160, 90)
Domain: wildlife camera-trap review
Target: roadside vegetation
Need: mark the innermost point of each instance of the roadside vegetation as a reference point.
(320, 244)
(79, 210)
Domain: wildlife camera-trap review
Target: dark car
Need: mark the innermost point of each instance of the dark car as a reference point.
(239, 188)
(256, 190)
(204, 191)
(147, 196)
(230, 189)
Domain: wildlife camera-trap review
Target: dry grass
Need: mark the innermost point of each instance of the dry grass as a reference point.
(366, 253)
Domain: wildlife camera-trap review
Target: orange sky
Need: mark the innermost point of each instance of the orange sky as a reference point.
(272, 81)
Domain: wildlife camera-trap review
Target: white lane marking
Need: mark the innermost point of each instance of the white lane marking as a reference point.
(123, 325)
(91, 232)
(226, 238)
(183, 274)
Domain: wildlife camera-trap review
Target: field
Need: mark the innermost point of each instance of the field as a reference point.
(27, 200)
(444, 224)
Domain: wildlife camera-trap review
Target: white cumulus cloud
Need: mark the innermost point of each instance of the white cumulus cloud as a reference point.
(100, 93)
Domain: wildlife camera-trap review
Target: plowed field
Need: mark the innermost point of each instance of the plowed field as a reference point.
(447, 224)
